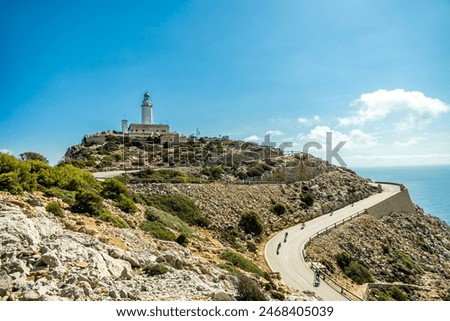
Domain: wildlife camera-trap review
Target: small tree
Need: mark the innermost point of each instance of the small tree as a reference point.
(251, 223)
(33, 156)
(278, 209)
(113, 188)
(87, 201)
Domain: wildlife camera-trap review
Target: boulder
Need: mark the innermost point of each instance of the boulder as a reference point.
(221, 296)
(6, 284)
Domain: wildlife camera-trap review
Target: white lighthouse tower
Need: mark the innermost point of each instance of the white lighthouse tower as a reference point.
(146, 110)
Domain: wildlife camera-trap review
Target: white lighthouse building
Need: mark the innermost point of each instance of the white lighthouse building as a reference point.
(147, 110)
(146, 127)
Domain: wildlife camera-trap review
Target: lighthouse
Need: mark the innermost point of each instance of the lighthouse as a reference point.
(146, 110)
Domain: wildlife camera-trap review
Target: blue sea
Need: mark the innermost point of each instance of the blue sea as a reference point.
(429, 186)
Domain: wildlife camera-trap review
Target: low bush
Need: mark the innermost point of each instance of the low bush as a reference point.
(106, 216)
(214, 172)
(126, 204)
(248, 290)
(404, 263)
(178, 205)
(278, 209)
(251, 223)
(112, 188)
(53, 207)
(66, 196)
(87, 202)
(393, 293)
(168, 220)
(354, 269)
(398, 294)
(241, 262)
(157, 230)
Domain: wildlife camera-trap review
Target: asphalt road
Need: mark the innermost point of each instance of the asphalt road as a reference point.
(104, 175)
(290, 263)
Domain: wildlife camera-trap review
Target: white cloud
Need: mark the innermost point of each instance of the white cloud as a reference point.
(253, 138)
(413, 107)
(355, 139)
(274, 132)
(411, 141)
(302, 120)
(308, 121)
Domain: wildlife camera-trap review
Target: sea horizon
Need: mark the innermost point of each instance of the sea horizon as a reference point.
(428, 185)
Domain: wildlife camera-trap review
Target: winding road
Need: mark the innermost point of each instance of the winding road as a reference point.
(291, 265)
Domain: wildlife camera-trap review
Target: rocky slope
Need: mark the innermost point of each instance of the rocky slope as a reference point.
(223, 203)
(74, 257)
(408, 255)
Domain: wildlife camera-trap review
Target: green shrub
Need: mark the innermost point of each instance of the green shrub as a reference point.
(251, 223)
(16, 176)
(112, 188)
(353, 269)
(67, 196)
(157, 230)
(380, 295)
(156, 269)
(358, 273)
(168, 220)
(53, 207)
(88, 202)
(343, 260)
(178, 205)
(393, 293)
(278, 209)
(106, 216)
(126, 204)
(248, 290)
(241, 262)
(214, 172)
(10, 182)
(161, 176)
(398, 294)
(404, 263)
(68, 177)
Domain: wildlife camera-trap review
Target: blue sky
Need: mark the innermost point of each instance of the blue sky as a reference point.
(374, 73)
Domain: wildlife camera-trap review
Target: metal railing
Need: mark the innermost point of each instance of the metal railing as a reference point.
(326, 277)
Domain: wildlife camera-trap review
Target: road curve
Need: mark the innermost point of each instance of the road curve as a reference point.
(293, 269)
